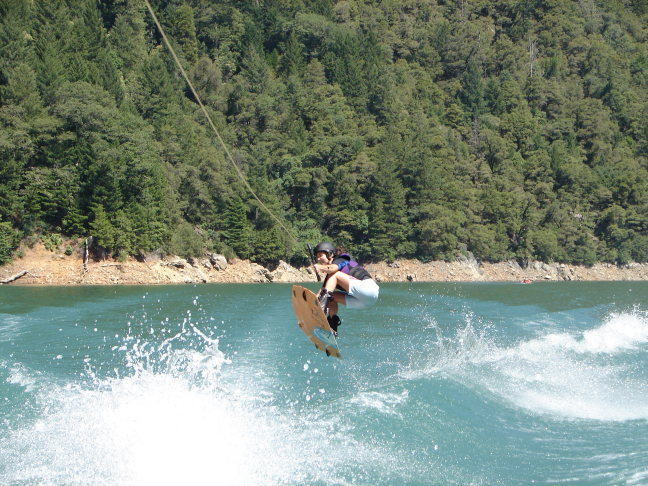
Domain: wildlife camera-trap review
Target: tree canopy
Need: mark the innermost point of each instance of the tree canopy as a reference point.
(401, 128)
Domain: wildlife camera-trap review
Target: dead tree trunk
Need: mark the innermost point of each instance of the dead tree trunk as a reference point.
(15, 277)
(86, 255)
(533, 55)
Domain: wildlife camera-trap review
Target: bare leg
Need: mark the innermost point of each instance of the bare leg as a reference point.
(333, 306)
(343, 280)
(338, 297)
(330, 305)
(338, 278)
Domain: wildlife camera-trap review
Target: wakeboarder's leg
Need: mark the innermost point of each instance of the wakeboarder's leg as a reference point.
(338, 278)
(325, 297)
(334, 321)
(333, 318)
(334, 280)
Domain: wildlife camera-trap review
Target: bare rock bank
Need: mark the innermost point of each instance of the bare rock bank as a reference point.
(47, 268)
(511, 271)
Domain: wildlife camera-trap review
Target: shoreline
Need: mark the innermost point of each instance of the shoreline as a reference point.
(47, 268)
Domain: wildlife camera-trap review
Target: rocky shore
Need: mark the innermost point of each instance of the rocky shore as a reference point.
(42, 267)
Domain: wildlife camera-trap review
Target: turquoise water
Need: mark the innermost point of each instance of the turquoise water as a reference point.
(215, 384)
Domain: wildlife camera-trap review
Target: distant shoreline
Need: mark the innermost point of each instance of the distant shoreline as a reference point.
(47, 268)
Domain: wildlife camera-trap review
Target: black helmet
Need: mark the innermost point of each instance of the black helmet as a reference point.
(326, 246)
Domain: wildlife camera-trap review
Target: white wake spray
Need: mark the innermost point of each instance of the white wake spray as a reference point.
(595, 374)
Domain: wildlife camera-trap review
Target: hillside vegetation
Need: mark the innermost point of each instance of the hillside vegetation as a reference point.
(400, 128)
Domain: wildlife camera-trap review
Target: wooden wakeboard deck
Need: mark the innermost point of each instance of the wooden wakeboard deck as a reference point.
(312, 321)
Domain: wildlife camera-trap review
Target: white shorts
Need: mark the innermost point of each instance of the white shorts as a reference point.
(362, 293)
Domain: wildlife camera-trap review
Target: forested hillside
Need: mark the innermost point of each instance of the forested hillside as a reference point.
(399, 128)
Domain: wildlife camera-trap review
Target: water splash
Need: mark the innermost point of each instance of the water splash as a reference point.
(168, 416)
(588, 375)
(385, 403)
(619, 333)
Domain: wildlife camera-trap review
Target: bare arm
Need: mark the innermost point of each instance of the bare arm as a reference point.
(328, 269)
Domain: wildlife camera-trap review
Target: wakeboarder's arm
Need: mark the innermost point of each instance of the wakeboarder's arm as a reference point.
(328, 269)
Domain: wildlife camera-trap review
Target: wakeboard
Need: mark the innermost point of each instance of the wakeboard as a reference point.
(312, 321)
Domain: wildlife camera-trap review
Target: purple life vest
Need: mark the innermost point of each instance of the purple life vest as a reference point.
(352, 268)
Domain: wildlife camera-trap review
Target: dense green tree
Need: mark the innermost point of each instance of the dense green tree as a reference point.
(127, 37)
(153, 89)
(256, 71)
(640, 7)
(49, 43)
(237, 232)
(292, 62)
(438, 231)
(186, 242)
(269, 246)
(381, 246)
(401, 129)
(102, 229)
(388, 225)
(9, 239)
(15, 47)
(472, 94)
(73, 222)
(185, 29)
(545, 245)
(346, 65)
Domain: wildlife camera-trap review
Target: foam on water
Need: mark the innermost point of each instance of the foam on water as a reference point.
(172, 420)
(386, 403)
(620, 332)
(11, 326)
(139, 428)
(588, 375)
(19, 375)
(133, 433)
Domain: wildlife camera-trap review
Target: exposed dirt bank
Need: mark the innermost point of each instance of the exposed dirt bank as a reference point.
(56, 268)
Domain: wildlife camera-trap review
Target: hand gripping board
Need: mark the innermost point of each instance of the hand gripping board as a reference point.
(312, 321)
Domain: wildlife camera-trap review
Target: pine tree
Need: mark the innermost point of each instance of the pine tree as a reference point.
(101, 228)
(156, 94)
(51, 71)
(22, 90)
(472, 94)
(8, 242)
(14, 45)
(347, 67)
(236, 228)
(269, 246)
(123, 233)
(110, 78)
(11, 201)
(186, 32)
(142, 240)
(256, 71)
(185, 242)
(127, 38)
(74, 221)
(292, 62)
(374, 64)
(640, 7)
(381, 247)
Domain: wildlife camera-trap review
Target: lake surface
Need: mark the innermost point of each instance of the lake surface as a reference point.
(439, 384)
